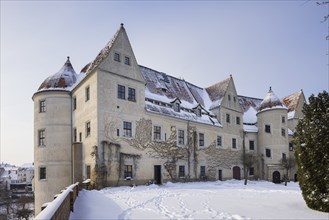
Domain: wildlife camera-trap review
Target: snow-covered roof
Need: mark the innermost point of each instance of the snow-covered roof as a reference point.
(217, 92)
(250, 116)
(291, 101)
(250, 128)
(270, 101)
(63, 79)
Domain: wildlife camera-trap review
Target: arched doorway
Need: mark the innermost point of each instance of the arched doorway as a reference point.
(236, 173)
(276, 177)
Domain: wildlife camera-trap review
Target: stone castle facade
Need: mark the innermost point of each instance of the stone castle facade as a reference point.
(119, 123)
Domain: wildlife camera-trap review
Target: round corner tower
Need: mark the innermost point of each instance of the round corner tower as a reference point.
(53, 135)
(273, 138)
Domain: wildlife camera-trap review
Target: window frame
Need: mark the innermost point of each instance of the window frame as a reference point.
(181, 171)
(221, 141)
(88, 171)
(201, 140)
(202, 171)
(283, 119)
(42, 137)
(234, 143)
(117, 57)
(75, 135)
(128, 171)
(87, 93)
(42, 173)
(228, 118)
(251, 171)
(127, 60)
(131, 94)
(42, 106)
(267, 128)
(291, 146)
(157, 133)
(238, 121)
(268, 153)
(74, 104)
(88, 128)
(251, 146)
(181, 137)
(283, 132)
(127, 130)
(121, 92)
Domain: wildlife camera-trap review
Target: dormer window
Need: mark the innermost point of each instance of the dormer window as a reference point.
(198, 112)
(177, 107)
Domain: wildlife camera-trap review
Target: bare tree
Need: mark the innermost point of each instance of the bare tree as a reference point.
(248, 160)
(287, 163)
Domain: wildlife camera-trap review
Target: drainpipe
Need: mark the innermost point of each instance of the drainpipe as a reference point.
(188, 149)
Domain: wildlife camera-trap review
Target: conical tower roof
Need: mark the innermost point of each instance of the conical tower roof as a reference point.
(270, 101)
(64, 78)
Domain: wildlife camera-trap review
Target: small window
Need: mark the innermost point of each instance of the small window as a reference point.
(291, 147)
(87, 91)
(268, 128)
(251, 171)
(132, 94)
(283, 132)
(283, 119)
(201, 139)
(233, 143)
(181, 172)
(128, 172)
(180, 137)
(228, 118)
(74, 103)
(229, 97)
(42, 173)
(121, 92)
(284, 156)
(127, 129)
(127, 61)
(42, 106)
(117, 57)
(75, 135)
(80, 137)
(177, 107)
(88, 171)
(251, 145)
(42, 137)
(234, 98)
(202, 171)
(237, 120)
(268, 152)
(157, 133)
(88, 128)
(219, 140)
(198, 112)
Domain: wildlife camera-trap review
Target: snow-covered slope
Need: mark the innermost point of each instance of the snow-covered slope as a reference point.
(206, 200)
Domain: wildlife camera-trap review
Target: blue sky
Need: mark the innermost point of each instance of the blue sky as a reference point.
(261, 43)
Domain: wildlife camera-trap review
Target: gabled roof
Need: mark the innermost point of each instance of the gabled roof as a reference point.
(247, 102)
(291, 101)
(217, 91)
(102, 54)
(64, 78)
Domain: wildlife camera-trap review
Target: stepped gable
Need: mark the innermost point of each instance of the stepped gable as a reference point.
(64, 78)
(247, 102)
(270, 101)
(291, 101)
(217, 91)
(102, 54)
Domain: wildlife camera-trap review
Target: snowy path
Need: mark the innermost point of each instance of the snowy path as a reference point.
(210, 200)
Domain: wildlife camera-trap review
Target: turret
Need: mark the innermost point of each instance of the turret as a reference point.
(272, 136)
(52, 135)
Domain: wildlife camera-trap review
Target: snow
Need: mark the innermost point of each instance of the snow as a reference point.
(250, 128)
(199, 200)
(291, 114)
(249, 116)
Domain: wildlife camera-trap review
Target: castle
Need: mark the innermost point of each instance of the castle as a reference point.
(119, 123)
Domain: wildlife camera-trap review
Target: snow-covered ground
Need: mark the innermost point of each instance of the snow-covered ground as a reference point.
(206, 200)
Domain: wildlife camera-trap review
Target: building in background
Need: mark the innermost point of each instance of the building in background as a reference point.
(120, 123)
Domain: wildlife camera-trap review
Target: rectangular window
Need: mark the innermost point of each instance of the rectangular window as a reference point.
(132, 94)
(251, 171)
(177, 107)
(251, 145)
(127, 61)
(128, 172)
(283, 119)
(80, 137)
(219, 140)
(42, 173)
(88, 128)
(268, 128)
(237, 120)
(74, 103)
(157, 133)
(284, 156)
(283, 132)
(42, 106)
(180, 137)
(121, 92)
(181, 172)
(228, 118)
(201, 139)
(291, 147)
(42, 137)
(117, 57)
(202, 171)
(87, 91)
(268, 152)
(233, 143)
(75, 135)
(127, 129)
(88, 171)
